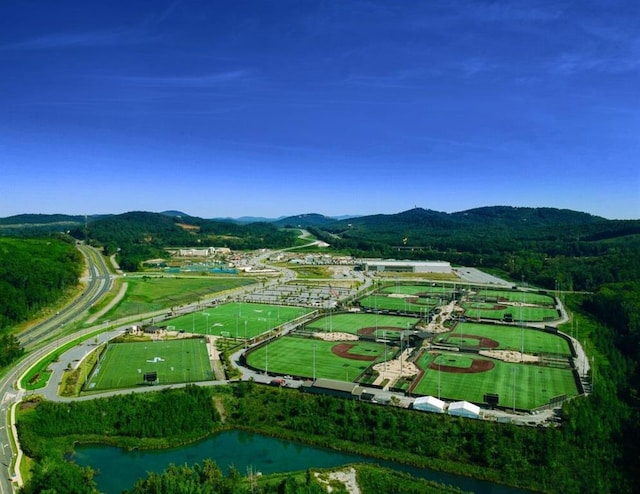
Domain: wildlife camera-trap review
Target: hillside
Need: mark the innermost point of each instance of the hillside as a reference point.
(137, 236)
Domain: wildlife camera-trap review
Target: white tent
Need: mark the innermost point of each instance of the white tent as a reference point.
(464, 409)
(428, 404)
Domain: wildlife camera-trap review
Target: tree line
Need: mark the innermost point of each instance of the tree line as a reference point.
(34, 273)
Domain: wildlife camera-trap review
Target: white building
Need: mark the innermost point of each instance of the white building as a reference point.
(408, 266)
(464, 409)
(428, 404)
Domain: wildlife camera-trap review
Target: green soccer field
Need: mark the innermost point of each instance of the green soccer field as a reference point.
(510, 338)
(305, 357)
(238, 319)
(352, 322)
(176, 361)
(530, 386)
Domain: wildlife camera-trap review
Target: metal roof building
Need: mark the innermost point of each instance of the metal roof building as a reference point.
(407, 266)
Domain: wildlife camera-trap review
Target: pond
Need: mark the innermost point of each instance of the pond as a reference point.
(118, 469)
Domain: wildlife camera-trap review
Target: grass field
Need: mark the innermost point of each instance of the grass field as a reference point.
(244, 320)
(438, 291)
(176, 361)
(352, 322)
(383, 302)
(484, 310)
(515, 296)
(151, 293)
(296, 356)
(530, 385)
(511, 338)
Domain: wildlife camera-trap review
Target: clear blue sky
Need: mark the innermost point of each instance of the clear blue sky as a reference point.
(275, 108)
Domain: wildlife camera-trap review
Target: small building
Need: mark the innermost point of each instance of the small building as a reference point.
(333, 387)
(464, 409)
(428, 404)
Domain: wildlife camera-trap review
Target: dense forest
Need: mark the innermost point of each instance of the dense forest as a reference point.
(34, 273)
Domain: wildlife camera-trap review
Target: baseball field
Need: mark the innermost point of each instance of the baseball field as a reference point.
(502, 337)
(363, 324)
(455, 376)
(306, 357)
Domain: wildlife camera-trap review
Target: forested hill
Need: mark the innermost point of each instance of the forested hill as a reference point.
(543, 245)
(137, 236)
(33, 274)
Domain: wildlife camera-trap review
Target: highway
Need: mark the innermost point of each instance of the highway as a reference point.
(41, 339)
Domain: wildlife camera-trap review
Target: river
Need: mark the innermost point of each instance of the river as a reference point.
(118, 469)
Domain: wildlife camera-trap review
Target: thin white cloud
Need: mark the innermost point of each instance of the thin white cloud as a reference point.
(195, 81)
(79, 40)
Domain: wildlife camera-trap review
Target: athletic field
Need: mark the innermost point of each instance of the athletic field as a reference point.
(515, 296)
(433, 290)
(497, 311)
(306, 357)
(238, 319)
(531, 385)
(123, 365)
(404, 303)
(508, 338)
(363, 323)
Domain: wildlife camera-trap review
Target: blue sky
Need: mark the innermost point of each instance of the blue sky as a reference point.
(275, 108)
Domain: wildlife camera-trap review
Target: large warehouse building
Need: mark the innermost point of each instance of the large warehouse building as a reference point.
(407, 266)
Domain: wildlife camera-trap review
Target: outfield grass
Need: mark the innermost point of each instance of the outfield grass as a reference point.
(241, 319)
(436, 290)
(352, 322)
(175, 361)
(152, 293)
(516, 296)
(296, 356)
(383, 302)
(527, 313)
(531, 385)
(510, 338)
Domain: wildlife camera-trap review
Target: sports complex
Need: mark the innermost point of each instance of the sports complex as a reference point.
(491, 347)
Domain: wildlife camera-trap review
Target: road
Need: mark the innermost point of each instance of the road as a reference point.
(41, 339)
(46, 337)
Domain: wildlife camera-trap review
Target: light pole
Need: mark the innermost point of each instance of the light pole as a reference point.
(437, 357)
(314, 362)
(206, 329)
(514, 371)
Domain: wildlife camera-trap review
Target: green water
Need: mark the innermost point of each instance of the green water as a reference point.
(119, 469)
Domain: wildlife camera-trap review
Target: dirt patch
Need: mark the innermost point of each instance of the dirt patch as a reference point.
(482, 341)
(335, 336)
(510, 356)
(342, 350)
(477, 365)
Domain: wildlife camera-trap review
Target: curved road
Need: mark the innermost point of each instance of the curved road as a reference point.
(41, 339)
